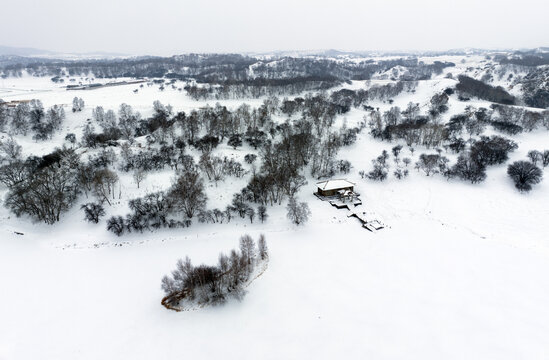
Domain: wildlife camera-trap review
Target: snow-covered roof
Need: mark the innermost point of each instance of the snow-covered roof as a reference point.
(334, 184)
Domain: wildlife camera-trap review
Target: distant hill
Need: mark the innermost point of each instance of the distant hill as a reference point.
(23, 51)
(32, 52)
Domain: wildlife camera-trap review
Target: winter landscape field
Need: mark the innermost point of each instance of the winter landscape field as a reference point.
(193, 180)
(458, 272)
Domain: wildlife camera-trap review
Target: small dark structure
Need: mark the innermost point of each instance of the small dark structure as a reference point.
(14, 103)
(99, 85)
(369, 221)
(335, 187)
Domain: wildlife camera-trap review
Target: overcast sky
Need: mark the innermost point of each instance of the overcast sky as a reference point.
(165, 27)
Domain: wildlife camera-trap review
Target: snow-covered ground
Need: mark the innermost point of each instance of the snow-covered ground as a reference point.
(460, 273)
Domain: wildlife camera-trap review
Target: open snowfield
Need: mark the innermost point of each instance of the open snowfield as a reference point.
(462, 271)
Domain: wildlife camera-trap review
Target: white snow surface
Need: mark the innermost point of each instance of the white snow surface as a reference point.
(460, 273)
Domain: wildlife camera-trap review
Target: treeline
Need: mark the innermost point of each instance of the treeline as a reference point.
(214, 285)
(410, 125)
(524, 59)
(261, 87)
(224, 69)
(348, 70)
(472, 87)
(192, 65)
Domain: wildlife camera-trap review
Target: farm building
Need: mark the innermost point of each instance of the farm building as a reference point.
(14, 103)
(334, 187)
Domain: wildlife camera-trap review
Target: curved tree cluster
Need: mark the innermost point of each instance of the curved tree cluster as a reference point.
(215, 284)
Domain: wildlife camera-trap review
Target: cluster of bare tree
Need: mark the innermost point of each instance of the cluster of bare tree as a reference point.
(261, 87)
(512, 119)
(77, 104)
(31, 117)
(285, 150)
(217, 168)
(426, 130)
(214, 285)
(173, 208)
(381, 166)
(409, 125)
(527, 173)
(471, 164)
(389, 91)
(42, 188)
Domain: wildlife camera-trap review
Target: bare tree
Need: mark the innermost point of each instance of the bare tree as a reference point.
(11, 149)
(103, 184)
(77, 104)
(139, 175)
(247, 248)
(262, 249)
(298, 213)
(535, 156)
(250, 212)
(524, 174)
(93, 211)
(545, 158)
(262, 213)
(188, 193)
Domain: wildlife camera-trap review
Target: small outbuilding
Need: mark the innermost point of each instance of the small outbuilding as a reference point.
(335, 187)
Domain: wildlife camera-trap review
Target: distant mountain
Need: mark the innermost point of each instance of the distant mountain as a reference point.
(32, 52)
(23, 51)
(334, 53)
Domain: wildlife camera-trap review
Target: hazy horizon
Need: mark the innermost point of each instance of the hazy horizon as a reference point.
(168, 27)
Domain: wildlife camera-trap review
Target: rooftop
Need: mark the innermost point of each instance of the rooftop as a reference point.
(334, 184)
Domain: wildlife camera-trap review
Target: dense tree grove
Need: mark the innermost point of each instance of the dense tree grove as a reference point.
(492, 150)
(484, 91)
(173, 208)
(42, 188)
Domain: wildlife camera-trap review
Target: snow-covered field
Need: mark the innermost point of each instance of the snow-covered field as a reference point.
(460, 273)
